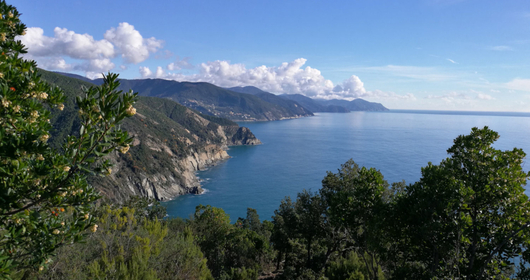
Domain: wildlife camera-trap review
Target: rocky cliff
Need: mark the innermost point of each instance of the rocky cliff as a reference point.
(171, 143)
(163, 168)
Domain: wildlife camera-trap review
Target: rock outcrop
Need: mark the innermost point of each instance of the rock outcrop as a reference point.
(244, 136)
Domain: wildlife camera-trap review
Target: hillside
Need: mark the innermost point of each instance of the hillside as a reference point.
(171, 143)
(212, 100)
(314, 105)
(354, 105)
(291, 105)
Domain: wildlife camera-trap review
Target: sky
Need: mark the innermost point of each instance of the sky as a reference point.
(471, 55)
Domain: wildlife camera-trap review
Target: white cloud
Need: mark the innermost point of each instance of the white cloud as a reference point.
(56, 63)
(97, 65)
(180, 64)
(378, 94)
(133, 47)
(159, 72)
(85, 53)
(145, 72)
(461, 96)
(452, 61)
(501, 48)
(289, 77)
(449, 96)
(67, 43)
(484, 96)
(519, 84)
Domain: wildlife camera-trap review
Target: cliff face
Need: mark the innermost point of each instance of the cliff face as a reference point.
(171, 143)
(163, 165)
(162, 179)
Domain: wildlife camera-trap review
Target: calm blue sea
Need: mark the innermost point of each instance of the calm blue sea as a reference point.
(296, 154)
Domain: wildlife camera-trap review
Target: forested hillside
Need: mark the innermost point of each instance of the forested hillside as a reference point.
(212, 100)
(171, 142)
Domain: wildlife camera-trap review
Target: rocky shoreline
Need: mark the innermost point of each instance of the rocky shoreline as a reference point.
(174, 175)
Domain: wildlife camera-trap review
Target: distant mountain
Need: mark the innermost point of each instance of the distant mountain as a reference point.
(75, 76)
(354, 105)
(212, 100)
(314, 105)
(239, 103)
(291, 105)
(171, 142)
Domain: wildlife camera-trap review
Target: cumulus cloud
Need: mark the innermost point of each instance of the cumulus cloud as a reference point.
(133, 47)
(519, 84)
(289, 77)
(145, 72)
(67, 43)
(56, 63)
(85, 53)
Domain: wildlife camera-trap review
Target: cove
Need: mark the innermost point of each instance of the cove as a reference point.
(296, 154)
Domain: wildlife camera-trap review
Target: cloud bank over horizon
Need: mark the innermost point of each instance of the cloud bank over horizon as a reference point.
(289, 77)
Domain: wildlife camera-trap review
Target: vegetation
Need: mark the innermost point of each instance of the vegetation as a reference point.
(45, 201)
(165, 132)
(212, 100)
(466, 218)
(291, 105)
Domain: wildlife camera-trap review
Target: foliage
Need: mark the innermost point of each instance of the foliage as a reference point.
(44, 197)
(357, 207)
(232, 250)
(468, 216)
(351, 267)
(465, 218)
(181, 258)
(131, 246)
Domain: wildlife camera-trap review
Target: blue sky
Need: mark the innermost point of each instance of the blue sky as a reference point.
(424, 54)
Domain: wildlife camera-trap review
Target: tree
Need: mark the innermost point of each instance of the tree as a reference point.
(358, 202)
(45, 200)
(304, 236)
(467, 217)
(212, 226)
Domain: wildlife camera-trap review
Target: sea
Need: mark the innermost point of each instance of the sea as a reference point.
(296, 154)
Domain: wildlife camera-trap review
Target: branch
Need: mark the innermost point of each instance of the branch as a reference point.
(499, 247)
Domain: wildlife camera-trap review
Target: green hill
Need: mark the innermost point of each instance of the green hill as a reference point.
(212, 100)
(314, 105)
(275, 99)
(171, 143)
(355, 105)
